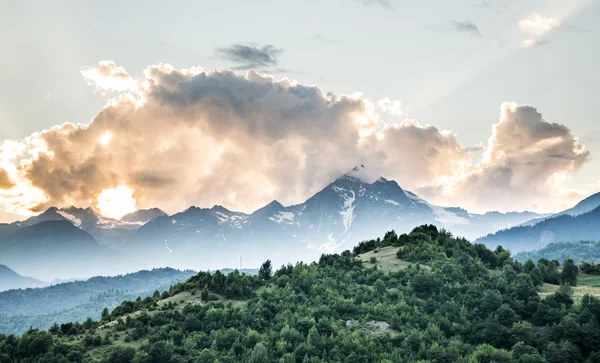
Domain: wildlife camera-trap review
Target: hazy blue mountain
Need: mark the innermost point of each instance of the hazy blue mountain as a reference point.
(588, 204)
(581, 251)
(344, 212)
(350, 209)
(9, 279)
(475, 225)
(75, 301)
(105, 230)
(562, 228)
(57, 249)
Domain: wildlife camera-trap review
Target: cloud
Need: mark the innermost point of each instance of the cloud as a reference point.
(5, 181)
(393, 107)
(249, 56)
(532, 43)
(537, 24)
(106, 76)
(458, 26)
(387, 4)
(194, 136)
(466, 27)
(494, 6)
(526, 161)
(325, 40)
(477, 147)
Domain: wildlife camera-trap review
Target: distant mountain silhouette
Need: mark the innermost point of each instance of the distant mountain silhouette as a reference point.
(562, 228)
(345, 212)
(58, 249)
(9, 279)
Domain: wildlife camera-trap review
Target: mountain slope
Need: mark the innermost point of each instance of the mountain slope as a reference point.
(562, 228)
(57, 249)
(9, 279)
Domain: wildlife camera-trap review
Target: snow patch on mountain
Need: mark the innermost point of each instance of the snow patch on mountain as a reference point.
(392, 202)
(348, 211)
(283, 217)
(76, 221)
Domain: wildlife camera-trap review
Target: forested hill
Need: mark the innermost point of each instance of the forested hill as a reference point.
(418, 297)
(39, 307)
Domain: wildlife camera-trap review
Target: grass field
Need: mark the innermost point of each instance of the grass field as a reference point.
(386, 259)
(589, 280)
(578, 291)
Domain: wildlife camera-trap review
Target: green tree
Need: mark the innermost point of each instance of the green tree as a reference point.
(266, 270)
(259, 354)
(105, 314)
(569, 273)
(380, 287)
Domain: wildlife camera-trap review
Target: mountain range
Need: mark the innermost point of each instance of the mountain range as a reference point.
(76, 242)
(9, 279)
(580, 223)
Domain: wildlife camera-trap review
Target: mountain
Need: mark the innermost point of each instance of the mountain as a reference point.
(143, 215)
(58, 249)
(350, 209)
(477, 225)
(105, 230)
(581, 251)
(588, 204)
(346, 211)
(9, 279)
(75, 301)
(561, 228)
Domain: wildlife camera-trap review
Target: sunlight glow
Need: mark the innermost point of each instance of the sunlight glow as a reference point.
(116, 202)
(105, 138)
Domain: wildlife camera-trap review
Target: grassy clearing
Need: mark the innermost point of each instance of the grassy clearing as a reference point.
(578, 291)
(386, 259)
(589, 280)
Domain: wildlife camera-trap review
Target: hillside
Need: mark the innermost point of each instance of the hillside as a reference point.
(75, 301)
(588, 251)
(563, 228)
(9, 279)
(450, 301)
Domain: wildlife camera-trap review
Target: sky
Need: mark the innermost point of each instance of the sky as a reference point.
(487, 105)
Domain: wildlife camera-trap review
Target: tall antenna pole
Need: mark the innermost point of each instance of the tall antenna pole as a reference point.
(240, 263)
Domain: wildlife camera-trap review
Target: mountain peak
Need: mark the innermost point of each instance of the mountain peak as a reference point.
(220, 208)
(361, 174)
(143, 215)
(275, 205)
